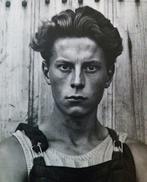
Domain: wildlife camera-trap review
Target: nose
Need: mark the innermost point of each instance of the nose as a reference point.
(78, 80)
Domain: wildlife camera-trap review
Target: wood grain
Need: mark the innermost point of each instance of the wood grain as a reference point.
(24, 94)
(14, 65)
(130, 79)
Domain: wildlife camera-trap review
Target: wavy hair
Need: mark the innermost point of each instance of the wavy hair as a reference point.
(84, 22)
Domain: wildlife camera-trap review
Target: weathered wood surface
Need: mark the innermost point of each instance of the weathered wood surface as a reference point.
(15, 24)
(23, 91)
(130, 91)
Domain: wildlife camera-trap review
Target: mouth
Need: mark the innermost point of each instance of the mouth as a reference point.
(76, 98)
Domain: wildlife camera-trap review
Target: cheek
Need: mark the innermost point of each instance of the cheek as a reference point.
(97, 92)
(56, 91)
(96, 88)
(57, 85)
(54, 75)
(97, 82)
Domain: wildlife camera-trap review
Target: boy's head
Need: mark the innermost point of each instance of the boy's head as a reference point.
(84, 22)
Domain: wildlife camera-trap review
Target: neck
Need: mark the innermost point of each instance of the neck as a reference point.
(71, 130)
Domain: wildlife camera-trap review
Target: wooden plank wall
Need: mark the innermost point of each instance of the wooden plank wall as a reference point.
(23, 91)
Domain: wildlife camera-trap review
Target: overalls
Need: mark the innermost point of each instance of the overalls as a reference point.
(120, 169)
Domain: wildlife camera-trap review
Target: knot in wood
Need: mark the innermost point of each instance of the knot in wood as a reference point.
(24, 3)
(80, 1)
(64, 1)
(47, 1)
(8, 4)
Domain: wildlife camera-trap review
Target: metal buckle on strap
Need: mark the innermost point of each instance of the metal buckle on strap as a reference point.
(117, 148)
(40, 153)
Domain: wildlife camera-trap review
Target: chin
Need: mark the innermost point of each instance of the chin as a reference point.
(77, 113)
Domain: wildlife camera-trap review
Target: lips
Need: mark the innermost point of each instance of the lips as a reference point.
(76, 98)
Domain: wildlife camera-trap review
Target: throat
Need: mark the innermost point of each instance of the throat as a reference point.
(75, 141)
(73, 136)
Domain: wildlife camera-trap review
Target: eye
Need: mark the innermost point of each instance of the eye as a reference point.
(91, 68)
(65, 67)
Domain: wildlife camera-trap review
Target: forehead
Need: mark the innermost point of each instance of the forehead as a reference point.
(77, 48)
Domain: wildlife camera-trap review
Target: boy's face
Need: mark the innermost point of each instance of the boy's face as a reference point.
(78, 75)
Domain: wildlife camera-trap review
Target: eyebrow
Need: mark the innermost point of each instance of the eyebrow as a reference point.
(92, 61)
(62, 60)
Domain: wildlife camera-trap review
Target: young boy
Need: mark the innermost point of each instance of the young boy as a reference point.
(79, 50)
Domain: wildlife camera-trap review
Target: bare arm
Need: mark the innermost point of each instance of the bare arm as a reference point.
(12, 162)
(139, 152)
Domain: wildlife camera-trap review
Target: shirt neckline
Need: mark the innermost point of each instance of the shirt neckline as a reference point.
(86, 155)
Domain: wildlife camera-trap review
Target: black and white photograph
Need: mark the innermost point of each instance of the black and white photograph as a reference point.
(73, 90)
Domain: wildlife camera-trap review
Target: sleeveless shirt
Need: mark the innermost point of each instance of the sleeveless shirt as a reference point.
(100, 154)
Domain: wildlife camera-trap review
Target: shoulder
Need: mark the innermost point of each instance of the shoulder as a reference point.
(12, 165)
(139, 152)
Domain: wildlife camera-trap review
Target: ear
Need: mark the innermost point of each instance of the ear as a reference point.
(45, 69)
(110, 73)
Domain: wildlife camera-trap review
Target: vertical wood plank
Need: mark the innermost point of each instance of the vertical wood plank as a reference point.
(14, 65)
(130, 78)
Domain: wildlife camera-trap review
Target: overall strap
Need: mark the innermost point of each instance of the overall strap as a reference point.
(36, 136)
(117, 144)
(123, 154)
(39, 145)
